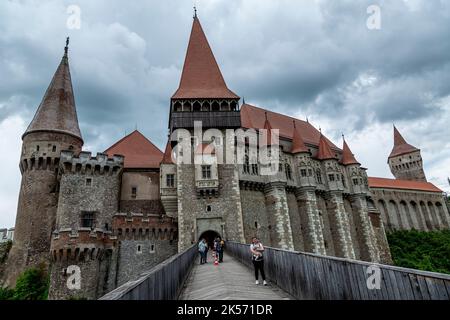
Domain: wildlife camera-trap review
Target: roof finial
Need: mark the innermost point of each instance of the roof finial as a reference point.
(66, 49)
(307, 119)
(343, 136)
(266, 115)
(195, 12)
(243, 100)
(320, 129)
(293, 121)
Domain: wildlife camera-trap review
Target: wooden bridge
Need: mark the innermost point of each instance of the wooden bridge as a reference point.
(291, 275)
(230, 280)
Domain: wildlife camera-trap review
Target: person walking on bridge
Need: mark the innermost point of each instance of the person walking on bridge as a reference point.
(218, 247)
(257, 250)
(202, 250)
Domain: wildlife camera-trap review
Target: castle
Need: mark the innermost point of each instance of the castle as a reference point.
(123, 211)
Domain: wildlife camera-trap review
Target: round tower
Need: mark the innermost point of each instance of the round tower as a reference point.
(54, 128)
(405, 160)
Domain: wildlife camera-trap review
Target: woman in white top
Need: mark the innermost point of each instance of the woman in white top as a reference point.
(257, 250)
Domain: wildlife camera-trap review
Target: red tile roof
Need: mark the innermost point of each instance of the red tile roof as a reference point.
(400, 145)
(325, 152)
(348, 157)
(385, 183)
(254, 117)
(298, 145)
(201, 77)
(57, 111)
(138, 151)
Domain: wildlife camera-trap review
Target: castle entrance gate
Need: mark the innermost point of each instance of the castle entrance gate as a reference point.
(210, 228)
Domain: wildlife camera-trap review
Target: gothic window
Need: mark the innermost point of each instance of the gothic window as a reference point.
(206, 172)
(246, 165)
(355, 181)
(133, 192)
(152, 248)
(87, 219)
(170, 181)
(331, 177)
(280, 167)
(54, 149)
(254, 169)
(318, 176)
(310, 172)
(343, 181)
(178, 107)
(288, 171)
(303, 173)
(88, 182)
(139, 249)
(338, 177)
(197, 106)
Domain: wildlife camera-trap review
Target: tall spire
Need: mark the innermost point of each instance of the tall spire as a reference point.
(325, 152)
(57, 111)
(201, 77)
(268, 131)
(348, 157)
(400, 145)
(298, 145)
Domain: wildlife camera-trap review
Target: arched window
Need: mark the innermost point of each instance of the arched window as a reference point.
(178, 107)
(206, 106)
(215, 106)
(187, 106)
(224, 106)
(288, 171)
(197, 106)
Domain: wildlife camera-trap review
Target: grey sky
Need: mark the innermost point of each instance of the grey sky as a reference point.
(313, 59)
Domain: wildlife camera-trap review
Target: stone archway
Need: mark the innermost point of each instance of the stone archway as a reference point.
(209, 236)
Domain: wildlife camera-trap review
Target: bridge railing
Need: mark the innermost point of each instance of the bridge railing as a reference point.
(163, 282)
(311, 276)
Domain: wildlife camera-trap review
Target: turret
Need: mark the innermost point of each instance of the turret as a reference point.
(405, 160)
(330, 165)
(302, 157)
(356, 179)
(54, 128)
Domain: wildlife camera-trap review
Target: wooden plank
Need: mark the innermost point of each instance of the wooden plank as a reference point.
(415, 286)
(432, 285)
(423, 288)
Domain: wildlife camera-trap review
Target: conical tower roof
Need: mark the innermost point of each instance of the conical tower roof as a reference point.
(167, 159)
(57, 111)
(348, 157)
(325, 152)
(298, 145)
(201, 77)
(400, 145)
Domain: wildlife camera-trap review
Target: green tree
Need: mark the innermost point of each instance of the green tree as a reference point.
(32, 285)
(428, 251)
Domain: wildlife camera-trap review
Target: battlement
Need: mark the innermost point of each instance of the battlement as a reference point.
(85, 163)
(39, 163)
(81, 244)
(151, 227)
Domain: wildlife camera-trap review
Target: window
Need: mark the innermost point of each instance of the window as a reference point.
(133, 192)
(288, 171)
(318, 176)
(37, 148)
(355, 181)
(139, 249)
(310, 173)
(343, 181)
(170, 181)
(331, 177)
(246, 165)
(254, 169)
(208, 208)
(303, 172)
(87, 219)
(206, 172)
(88, 182)
(280, 167)
(152, 248)
(54, 149)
